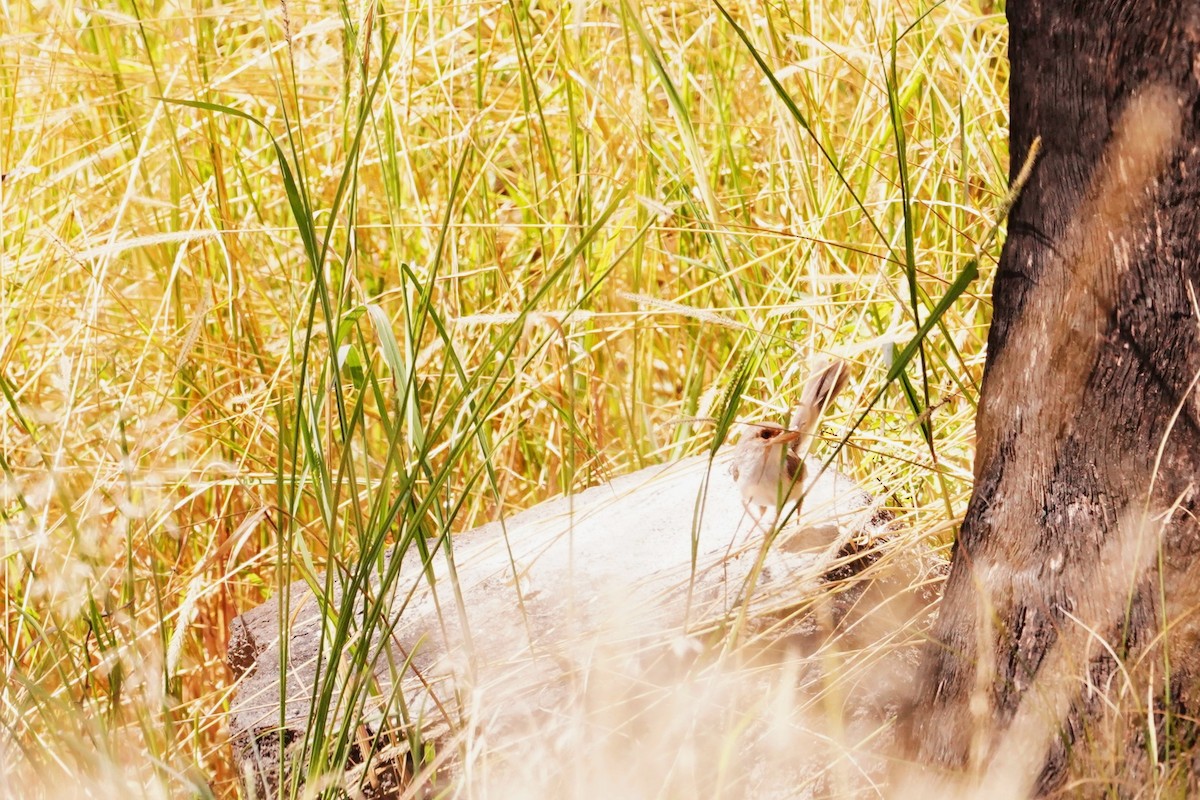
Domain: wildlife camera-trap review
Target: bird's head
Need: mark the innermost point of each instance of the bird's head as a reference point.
(766, 434)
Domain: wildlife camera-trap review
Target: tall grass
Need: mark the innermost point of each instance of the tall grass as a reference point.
(283, 286)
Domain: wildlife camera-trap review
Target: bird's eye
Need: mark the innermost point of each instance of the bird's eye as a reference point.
(765, 433)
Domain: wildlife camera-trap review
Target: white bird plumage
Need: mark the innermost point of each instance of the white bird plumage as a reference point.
(768, 461)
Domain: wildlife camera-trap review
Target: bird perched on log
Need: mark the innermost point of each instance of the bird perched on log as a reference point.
(768, 461)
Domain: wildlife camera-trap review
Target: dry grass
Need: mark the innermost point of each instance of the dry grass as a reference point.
(561, 227)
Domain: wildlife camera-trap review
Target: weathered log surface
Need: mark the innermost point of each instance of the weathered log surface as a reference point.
(666, 551)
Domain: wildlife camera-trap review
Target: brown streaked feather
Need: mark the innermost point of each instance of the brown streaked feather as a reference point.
(829, 378)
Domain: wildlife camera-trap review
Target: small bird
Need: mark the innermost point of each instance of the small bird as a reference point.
(768, 462)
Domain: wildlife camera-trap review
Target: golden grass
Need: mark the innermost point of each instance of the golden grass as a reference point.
(605, 206)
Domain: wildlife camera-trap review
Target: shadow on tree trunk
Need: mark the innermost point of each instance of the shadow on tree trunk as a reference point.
(1067, 642)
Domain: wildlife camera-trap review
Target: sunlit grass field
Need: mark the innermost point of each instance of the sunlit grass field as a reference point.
(285, 284)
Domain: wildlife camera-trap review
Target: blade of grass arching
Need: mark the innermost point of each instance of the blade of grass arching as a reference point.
(317, 261)
(302, 213)
(296, 201)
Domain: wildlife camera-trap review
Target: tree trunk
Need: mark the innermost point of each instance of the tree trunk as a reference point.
(1068, 623)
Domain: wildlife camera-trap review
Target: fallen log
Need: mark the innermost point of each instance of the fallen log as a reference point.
(662, 560)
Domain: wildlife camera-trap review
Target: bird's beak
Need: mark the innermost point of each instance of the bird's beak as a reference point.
(787, 436)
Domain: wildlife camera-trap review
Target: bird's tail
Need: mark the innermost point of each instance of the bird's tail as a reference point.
(828, 378)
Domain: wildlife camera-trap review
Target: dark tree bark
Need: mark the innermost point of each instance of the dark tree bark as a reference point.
(1084, 514)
